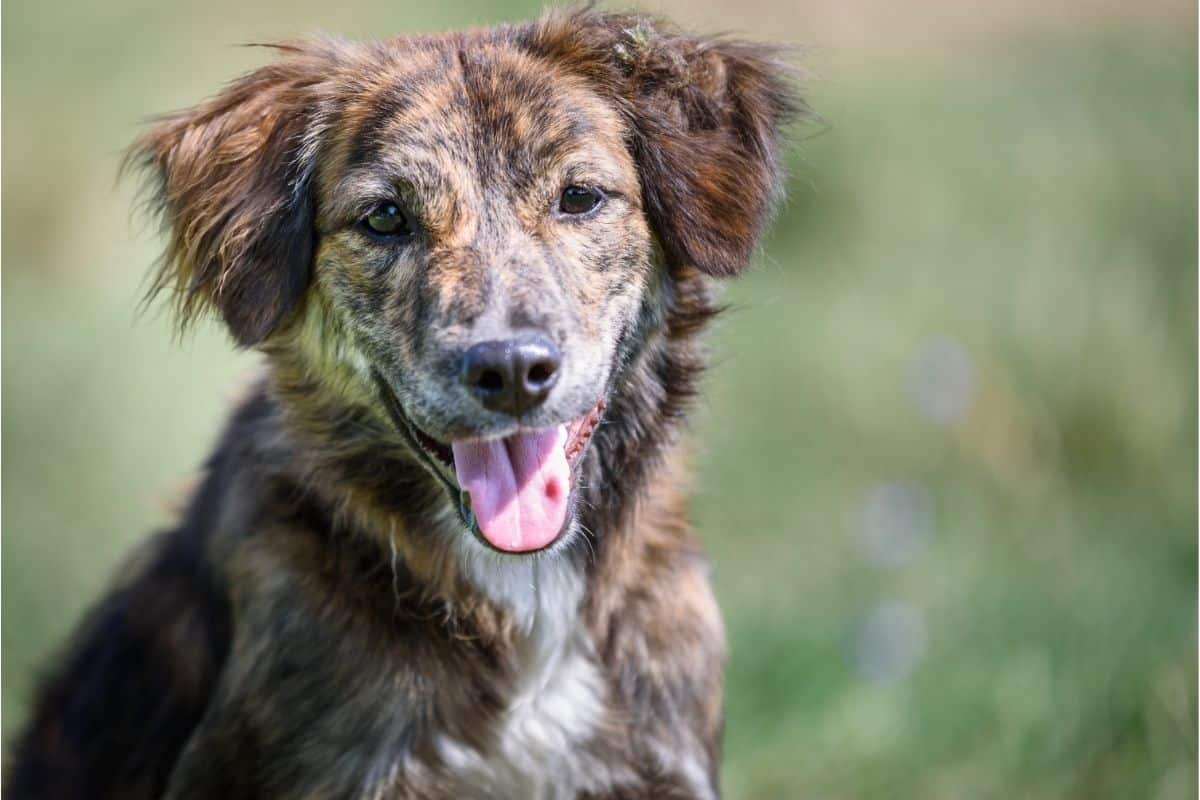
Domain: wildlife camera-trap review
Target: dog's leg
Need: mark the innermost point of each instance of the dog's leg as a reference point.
(114, 714)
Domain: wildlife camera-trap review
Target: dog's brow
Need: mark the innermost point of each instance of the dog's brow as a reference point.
(409, 180)
(600, 171)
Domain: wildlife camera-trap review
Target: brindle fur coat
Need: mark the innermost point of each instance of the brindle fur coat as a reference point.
(321, 623)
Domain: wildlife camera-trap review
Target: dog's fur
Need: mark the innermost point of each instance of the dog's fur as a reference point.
(321, 624)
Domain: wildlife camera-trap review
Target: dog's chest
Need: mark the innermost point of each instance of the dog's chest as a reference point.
(541, 745)
(538, 747)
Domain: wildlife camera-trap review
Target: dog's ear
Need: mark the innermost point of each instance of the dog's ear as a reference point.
(231, 180)
(706, 117)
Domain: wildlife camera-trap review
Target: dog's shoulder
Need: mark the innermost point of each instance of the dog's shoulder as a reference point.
(136, 678)
(138, 675)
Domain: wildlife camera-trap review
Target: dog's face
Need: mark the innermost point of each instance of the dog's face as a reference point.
(467, 230)
(481, 239)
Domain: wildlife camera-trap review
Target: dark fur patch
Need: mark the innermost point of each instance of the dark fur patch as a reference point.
(137, 677)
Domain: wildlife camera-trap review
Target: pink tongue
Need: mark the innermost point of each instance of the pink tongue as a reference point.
(518, 487)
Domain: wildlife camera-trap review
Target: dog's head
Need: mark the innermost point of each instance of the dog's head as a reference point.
(466, 231)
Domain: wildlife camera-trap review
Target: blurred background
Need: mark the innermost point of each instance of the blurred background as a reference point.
(947, 458)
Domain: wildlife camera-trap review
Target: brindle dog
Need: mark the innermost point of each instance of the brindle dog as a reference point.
(441, 548)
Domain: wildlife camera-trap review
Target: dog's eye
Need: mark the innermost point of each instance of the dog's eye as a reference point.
(578, 200)
(387, 220)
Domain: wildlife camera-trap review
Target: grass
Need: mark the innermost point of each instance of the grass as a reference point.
(946, 462)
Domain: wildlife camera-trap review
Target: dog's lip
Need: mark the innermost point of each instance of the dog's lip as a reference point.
(439, 458)
(579, 434)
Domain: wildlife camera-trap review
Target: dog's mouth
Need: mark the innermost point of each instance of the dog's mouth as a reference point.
(514, 492)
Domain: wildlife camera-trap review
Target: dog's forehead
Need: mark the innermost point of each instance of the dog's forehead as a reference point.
(456, 104)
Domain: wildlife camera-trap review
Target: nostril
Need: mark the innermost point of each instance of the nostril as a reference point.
(490, 381)
(541, 373)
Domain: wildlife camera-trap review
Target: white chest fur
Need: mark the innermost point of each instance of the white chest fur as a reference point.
(538, 745)
(538, 749)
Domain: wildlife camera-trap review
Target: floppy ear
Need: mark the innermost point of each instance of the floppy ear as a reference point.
(232, 185)
(706, 115)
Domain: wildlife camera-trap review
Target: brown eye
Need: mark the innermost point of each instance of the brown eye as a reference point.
(578, 200)
(387, 220)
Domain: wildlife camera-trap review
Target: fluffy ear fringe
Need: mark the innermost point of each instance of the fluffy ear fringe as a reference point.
(230, 182)
(707, 116)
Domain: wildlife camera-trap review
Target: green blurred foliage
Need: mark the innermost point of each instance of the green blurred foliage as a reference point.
(947, 460)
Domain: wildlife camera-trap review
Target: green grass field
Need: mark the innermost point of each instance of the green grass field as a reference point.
(947, 457)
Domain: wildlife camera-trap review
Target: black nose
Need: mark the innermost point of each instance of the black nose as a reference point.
(513, 375)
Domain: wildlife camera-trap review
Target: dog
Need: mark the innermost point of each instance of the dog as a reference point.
(441, 549)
